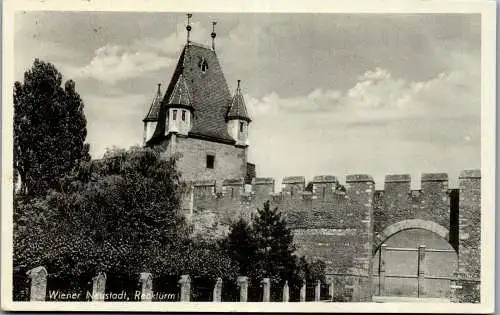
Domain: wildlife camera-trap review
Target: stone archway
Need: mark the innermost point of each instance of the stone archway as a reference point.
(410, 224)
(413, 258)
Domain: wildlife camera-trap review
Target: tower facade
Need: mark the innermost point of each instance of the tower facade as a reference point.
(199, 122)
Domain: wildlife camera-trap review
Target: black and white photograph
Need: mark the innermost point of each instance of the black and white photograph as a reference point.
(162, 157)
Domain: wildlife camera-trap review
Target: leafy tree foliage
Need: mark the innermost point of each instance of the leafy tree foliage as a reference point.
(265, 249)
(49, 129)
(119, 215)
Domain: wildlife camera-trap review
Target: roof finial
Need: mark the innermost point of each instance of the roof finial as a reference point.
(159, 89)
(188, 26)
(213, 35)
(238, 88)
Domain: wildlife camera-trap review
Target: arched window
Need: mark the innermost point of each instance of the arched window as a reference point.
(203, 65)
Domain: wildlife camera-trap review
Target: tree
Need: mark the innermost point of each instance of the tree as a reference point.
(242, 247)
(120, 214)
(275, 248)
(49, 129)
(265, 249)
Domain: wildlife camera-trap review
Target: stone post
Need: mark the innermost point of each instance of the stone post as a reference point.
(217, 295)
(381, 270)
(454, 289)
(266, 290)
(421, 270)
(243, 284)
(303, 292)
(317, 291)
(38, 288)
(146, 281)
(331, 289)
(286, 292)
(185, 283)
(356, 289)
(99, 287)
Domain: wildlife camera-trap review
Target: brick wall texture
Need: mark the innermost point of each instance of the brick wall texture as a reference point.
(230, 161)
(340, 225)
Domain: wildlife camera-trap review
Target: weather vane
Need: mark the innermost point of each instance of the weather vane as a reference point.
(188, 26)
(213, 35)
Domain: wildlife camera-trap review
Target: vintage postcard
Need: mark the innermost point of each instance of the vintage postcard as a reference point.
(263, 156)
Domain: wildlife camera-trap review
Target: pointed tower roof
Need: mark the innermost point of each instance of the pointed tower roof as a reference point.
(154, 109)
(180, 94)
(207, 92)
(237, 109)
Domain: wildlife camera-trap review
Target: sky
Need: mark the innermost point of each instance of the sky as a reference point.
(328, 94)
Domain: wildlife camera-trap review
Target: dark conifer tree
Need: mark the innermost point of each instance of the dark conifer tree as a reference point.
(242, 247)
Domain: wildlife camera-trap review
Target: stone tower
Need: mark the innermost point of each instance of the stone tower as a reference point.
(199, 122)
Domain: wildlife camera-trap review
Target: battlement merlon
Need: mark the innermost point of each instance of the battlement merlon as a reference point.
(434, 183)
(325, 186)
(233, 187)
(470, 174)
(263, 186)
(293, 186)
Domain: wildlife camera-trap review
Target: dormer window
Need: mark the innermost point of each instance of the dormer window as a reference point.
(174, 114)
(203, 65)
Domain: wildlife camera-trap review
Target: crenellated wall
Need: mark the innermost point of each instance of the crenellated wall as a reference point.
(344, 224)
(399, 203)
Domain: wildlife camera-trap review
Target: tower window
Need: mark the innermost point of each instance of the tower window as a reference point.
(203, 65)
(183, 115)
(174, 115)
(210, 161)
(241, 126)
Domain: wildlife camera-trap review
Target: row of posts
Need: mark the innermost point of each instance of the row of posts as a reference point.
(266, 288)
(38, 288)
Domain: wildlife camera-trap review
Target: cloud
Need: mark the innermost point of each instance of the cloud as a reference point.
(113, 63)
(382, 124)
(379, 95)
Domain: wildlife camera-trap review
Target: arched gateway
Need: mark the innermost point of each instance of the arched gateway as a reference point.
(410, 224)
(414, 259)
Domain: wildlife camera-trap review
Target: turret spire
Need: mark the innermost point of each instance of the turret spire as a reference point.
(237, 108)
(188, 26)
(213, 35)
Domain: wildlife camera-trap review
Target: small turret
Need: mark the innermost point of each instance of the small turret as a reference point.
(238, 118)
(151, 119)
(179, 109)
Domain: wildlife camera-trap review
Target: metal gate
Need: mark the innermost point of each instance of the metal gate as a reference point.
(418, 282)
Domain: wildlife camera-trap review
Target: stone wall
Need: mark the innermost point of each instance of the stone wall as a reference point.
(230, 160)
(469, 250)
(397, 202)
(341, 225)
